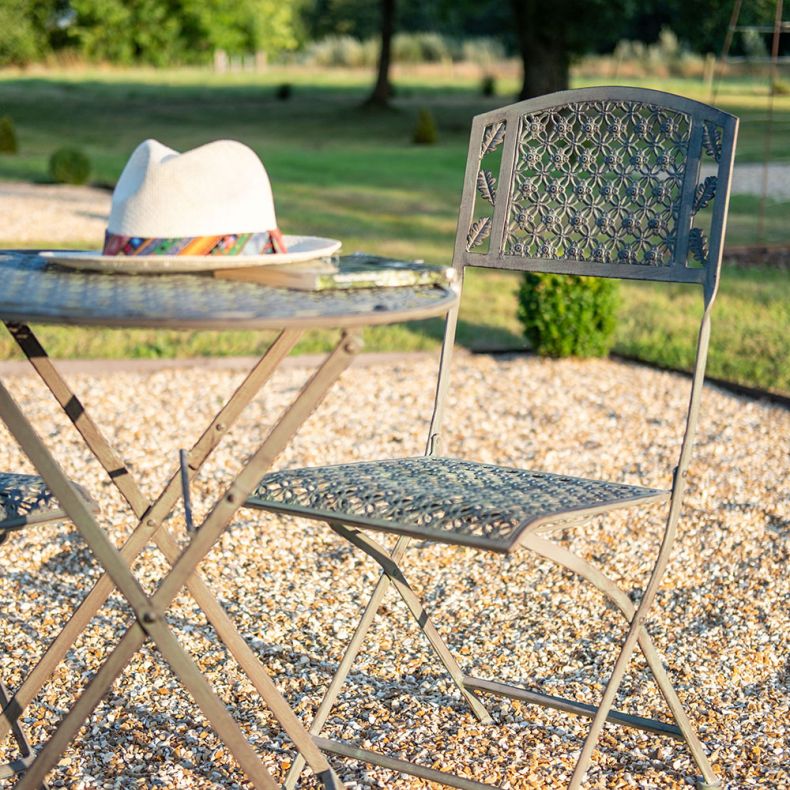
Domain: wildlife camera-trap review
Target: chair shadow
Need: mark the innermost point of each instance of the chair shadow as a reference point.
(74, 557)
(471, 336)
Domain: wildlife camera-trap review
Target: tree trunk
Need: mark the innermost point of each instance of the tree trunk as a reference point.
(545, 58)
(382, 90)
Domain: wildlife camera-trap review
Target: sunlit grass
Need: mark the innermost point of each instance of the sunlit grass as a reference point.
(657, 323)
(342, 171)
(750, 343)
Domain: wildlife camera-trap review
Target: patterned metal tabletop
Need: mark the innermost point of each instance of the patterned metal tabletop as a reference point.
(34, 291)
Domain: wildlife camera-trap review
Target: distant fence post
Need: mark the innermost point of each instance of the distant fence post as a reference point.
(708, 71)
(220, 61)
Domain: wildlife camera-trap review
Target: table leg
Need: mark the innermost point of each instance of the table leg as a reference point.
(185, 565)
(144, 608)
(151, 525)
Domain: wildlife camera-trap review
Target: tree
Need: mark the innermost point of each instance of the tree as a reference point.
(144, 31)
(239, 27)
(543, 46)
(25, 27)
(156, 32)
(550, 33)
(700, 25)
(357, 18)
(382, 90)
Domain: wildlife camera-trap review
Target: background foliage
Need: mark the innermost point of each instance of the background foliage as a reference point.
(342, 171)
(170, 32)
(153, 32)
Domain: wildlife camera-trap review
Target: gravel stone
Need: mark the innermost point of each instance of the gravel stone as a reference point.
(296, 591)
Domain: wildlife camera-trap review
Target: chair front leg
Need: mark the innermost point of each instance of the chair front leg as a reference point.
(567, 559)
(390, 567)
(339, 678)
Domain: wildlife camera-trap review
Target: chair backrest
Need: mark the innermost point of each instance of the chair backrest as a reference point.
(604, 182)
(599, 181)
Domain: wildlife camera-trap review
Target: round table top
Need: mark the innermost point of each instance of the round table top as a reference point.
(35, 291)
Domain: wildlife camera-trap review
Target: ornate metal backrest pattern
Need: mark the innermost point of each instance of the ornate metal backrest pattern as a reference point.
(599, 181)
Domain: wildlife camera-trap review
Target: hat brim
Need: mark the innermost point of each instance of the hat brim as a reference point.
(300, 248)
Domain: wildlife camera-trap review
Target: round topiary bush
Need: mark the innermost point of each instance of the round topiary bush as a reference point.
(69, 166)
(284, 91)
(8, 141)
(568, 316)
(488, 85)
(425, 132)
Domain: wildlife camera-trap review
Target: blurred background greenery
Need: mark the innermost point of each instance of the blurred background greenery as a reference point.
(301, 83)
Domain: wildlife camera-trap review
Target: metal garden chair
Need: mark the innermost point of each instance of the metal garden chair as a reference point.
(599, 182)
(24, 501)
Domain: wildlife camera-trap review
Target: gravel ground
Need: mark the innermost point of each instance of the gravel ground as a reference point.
(66, 214)
(55, 213)
(296, 591)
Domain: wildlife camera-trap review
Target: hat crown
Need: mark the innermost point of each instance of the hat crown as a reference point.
(217, 189)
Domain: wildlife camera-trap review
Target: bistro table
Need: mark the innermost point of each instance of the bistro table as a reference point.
(33, 291)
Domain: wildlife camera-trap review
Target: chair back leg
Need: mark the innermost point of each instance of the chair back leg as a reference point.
(26, 754)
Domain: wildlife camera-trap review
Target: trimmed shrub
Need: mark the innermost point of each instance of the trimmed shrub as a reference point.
(488, 85)
(69, 166)
(342, 51)
(566, 315)
(409, 48)
(284, 91)
(8, 141)
(425, 132)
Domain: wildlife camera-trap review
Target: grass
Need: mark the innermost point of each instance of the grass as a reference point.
(657, 323)
(343, 171)
(750, 343)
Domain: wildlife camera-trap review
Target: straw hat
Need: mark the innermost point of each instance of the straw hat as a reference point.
(191, 212)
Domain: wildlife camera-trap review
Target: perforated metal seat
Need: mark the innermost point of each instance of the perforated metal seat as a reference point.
(444, 499)
(25, 499)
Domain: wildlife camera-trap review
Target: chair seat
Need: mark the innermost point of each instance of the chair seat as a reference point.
(444, 499)
(25, 499)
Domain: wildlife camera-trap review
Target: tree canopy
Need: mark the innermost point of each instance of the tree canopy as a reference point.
(161, 32)
(155, 32)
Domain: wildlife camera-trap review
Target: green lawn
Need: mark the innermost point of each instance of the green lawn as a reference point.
(353, 174)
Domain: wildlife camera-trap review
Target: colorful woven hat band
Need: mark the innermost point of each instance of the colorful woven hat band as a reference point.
(270, 241)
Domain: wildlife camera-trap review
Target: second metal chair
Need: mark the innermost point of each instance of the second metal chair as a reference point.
(599, 182)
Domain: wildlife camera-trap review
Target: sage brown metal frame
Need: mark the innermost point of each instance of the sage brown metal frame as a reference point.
(149, 611)
(26, 756)
(663, 253)
(36, 292)
(32, 505)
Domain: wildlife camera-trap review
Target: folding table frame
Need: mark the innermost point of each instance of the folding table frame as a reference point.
(251, 306)
(596, 182)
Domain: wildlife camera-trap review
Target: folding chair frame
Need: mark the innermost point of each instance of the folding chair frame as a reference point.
(711, 131)
(149, 611)
(26, 756)
(39, 513)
